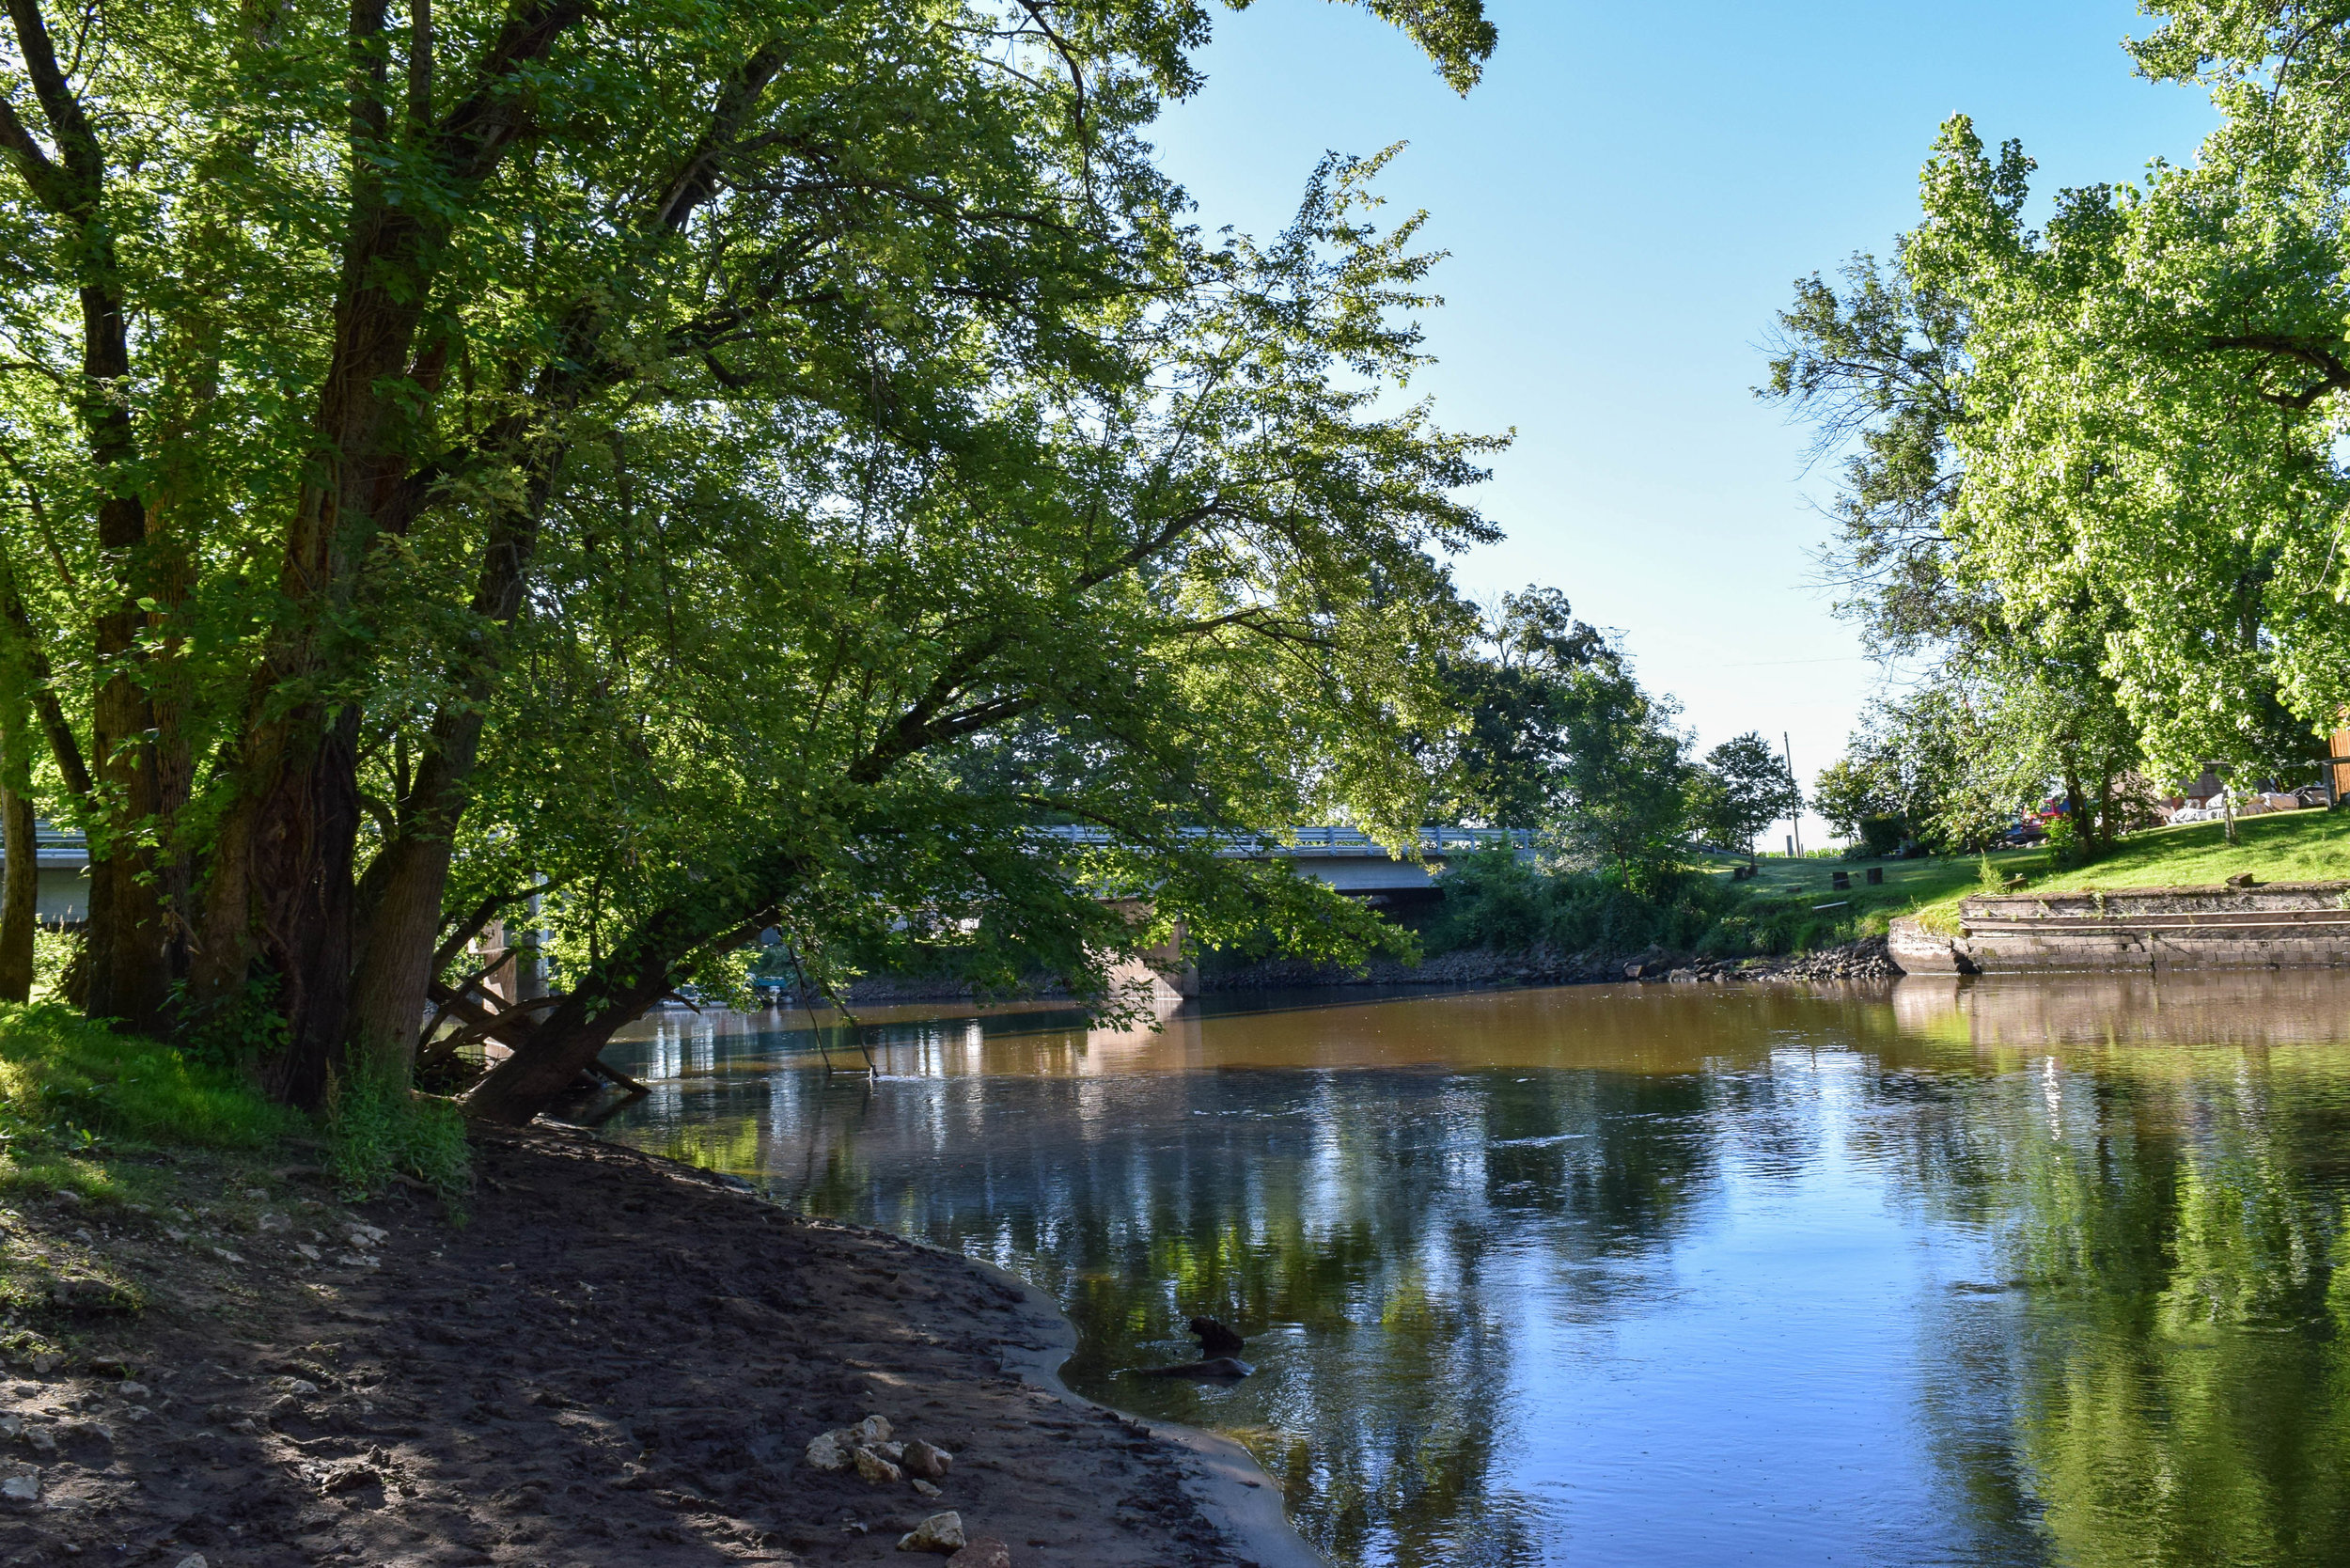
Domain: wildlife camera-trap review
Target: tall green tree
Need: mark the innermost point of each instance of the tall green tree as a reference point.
(1514, 689)
(2140, 405)
(1879, 363)
(1626, 778)
(1743, 785)
(359, 367)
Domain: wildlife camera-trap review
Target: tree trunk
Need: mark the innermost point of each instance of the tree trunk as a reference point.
(400, 902)
(2076, 808)
(300, 854)
(19, 890)
(130, 972)
(560, 1048)
(617, 992)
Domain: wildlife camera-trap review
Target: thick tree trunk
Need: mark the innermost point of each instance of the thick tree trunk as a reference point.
(402, 903)
(559, 1049)
(288, 906)
(20, 892)
(130, 970)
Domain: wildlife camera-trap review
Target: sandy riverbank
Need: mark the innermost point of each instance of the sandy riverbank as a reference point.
(618, 1361)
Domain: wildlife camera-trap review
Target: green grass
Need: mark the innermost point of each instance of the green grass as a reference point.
(2293, 846)
(1802, 887)
(82, 1108)
(77, 1084)
(382, 1133)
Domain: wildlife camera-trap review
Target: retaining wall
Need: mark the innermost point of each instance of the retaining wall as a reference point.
(2284, 925)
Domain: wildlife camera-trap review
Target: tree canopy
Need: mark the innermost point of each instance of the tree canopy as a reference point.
(2093, 476)
(642, 458)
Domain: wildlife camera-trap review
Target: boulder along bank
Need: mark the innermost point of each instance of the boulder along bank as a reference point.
(618, 1360)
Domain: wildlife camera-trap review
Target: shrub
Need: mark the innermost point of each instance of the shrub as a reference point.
(381, 1130)
(1494, 900)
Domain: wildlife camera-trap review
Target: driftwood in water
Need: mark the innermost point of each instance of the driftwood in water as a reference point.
(1222, 1367)
(613, 1076)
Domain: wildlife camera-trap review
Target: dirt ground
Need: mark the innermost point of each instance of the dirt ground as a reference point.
(617, 1361)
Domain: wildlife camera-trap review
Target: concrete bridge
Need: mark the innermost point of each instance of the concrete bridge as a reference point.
(1349, 861)
(1346, 858)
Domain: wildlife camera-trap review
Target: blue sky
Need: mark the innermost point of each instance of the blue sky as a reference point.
(1627, 199)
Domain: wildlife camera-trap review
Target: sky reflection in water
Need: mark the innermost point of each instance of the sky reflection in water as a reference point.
(1944, 1274)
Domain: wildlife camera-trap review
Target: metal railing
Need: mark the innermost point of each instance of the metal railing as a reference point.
(1314, 842)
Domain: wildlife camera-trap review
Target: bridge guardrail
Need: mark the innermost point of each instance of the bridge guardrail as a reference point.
(1302, 842)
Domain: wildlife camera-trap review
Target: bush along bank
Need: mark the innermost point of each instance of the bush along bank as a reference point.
(1505, 922)
(1501, 922)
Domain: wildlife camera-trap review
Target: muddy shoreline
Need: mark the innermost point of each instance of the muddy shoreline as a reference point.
(1485, 969)
(618, 1360)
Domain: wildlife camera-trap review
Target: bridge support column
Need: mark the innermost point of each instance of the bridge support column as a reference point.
(1165, 966)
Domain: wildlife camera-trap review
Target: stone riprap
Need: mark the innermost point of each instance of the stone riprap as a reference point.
(2284, 925)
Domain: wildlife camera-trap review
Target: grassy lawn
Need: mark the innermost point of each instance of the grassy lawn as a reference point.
(2293, 846)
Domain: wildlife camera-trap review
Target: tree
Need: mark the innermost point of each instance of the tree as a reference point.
(392, 401)
(1882, 369)
(1514, 692)
(1626, 776)
(2138, 422)
(1743, 787)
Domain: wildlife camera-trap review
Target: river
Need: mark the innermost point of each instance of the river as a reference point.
(1936, 1273)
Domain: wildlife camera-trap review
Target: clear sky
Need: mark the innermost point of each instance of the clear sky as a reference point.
(1627, 199)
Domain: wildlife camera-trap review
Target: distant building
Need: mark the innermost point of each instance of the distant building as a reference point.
(63, 856)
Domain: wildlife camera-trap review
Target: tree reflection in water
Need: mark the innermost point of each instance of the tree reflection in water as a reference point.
(1962, 1274)
(2167, 1188)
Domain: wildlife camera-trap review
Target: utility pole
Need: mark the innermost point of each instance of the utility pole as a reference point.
(1796, 822)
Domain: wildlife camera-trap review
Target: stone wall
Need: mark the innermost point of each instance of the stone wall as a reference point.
(2288, 925)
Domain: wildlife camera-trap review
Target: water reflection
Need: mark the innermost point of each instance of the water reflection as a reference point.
(1980, 1273)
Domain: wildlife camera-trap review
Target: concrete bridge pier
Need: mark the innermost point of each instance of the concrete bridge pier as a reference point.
(1165, 966)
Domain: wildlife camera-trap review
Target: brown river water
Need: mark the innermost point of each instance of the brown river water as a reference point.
(1941, 1272)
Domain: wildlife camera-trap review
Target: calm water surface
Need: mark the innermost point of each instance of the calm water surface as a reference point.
(1939, 1273)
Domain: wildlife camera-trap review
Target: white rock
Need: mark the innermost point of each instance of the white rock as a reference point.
(193, 1560)
(926, 1488)
(869, 1431)
(131, 1390)
(940, 1532)
(274, 1222)
(877, 1470)
(306, 1250)
(294, 1385)
(364, 1236)
(21, 1483)
(828, 1453)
